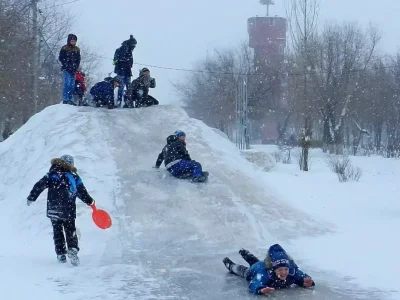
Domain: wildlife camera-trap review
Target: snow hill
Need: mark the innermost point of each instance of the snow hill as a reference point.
(169, 236)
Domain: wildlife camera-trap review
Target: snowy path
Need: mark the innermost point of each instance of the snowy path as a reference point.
(179, 232)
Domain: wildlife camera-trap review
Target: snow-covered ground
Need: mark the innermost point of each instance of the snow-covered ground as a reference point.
(169, 236)
(365, 216)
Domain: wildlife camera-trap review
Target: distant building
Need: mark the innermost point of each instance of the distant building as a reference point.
(267, 36)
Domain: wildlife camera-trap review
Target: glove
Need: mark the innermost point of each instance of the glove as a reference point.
(29, 202)
(115, 62)
(93, 203)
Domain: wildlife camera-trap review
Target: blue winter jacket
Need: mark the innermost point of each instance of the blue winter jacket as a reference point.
(260, 277)
(63, 185)
(103, 90)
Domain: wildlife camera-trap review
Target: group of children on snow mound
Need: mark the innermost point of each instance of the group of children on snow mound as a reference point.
(137, 94)
(137, 91)
(64, 185)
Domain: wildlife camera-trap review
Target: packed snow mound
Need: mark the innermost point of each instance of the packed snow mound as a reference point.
(152, 212)
(219, 132)
(261, 159)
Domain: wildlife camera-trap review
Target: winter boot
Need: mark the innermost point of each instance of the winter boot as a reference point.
(200, 179)
(69, 102)
(228, 263)
(73, 256)
(62, 258)
(185, 175)
(248, 257)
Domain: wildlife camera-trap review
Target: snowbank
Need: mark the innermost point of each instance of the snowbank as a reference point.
(366, 215)
(169, 236)
(114, 151)
(24, 159)
(261, 159)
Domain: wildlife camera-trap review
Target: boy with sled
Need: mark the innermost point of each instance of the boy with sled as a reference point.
(64, 186)
(177, 159)
(277, 271)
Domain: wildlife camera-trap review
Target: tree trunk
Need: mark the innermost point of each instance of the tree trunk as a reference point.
(306, 142)
(378, 137)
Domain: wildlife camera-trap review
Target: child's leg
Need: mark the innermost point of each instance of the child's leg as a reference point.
(192, 167)
(240, 270)
(248, 257)
(58, 237)
(236, 269)
(70, 233)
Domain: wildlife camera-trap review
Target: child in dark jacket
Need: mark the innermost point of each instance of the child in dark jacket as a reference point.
(64, 185)
(137, 94)
(178, 161)
(278, 271)
(103, 92)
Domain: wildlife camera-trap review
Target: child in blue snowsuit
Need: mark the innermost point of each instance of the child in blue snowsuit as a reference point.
(177, 159)
(63, 185)
(103, 92)
(277, 271)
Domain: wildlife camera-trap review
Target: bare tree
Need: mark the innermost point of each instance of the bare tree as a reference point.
(344, 53)
(210, 93)
(392, 111)
(303, 17)
(16, 84)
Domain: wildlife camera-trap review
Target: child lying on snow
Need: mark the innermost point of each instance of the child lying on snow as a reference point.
(278, 271)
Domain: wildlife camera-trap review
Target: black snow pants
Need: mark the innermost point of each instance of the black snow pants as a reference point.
(67, 226)
(146, 101)
(241, 270)
(99, 101)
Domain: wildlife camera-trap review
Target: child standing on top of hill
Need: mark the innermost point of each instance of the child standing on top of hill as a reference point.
(64, 186)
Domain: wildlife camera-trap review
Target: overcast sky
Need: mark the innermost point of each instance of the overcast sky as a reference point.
(177, 33)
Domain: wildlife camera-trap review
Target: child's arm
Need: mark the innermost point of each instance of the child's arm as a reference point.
(160, 158)
(255, 286)
(38, 188)
(83, 193)
(302, 279)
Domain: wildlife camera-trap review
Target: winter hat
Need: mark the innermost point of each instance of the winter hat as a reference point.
(72, 37)
(141, 72)
(68, 159)
(115, 79)
(179, 133)
(278, 257)
(132, 42)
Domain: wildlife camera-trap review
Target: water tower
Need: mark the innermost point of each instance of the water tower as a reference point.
(267, 36)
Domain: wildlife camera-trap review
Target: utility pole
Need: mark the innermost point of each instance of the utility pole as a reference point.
(35, 58)
(242, 115)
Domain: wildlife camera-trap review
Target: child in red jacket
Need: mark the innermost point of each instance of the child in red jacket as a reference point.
(80, 86)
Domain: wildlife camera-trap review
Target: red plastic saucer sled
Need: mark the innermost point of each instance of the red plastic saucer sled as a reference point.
(101, 218)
